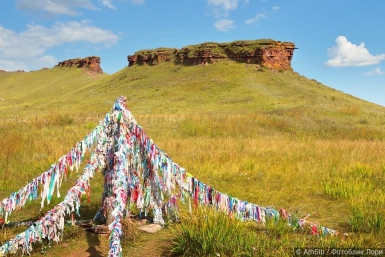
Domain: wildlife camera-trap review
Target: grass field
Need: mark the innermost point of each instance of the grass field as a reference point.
(271, 138)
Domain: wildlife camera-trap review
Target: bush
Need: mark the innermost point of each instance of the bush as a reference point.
(208, 232)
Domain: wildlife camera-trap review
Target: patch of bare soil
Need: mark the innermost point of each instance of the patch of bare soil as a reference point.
(151, 245)
(97, 246)
(89, 244)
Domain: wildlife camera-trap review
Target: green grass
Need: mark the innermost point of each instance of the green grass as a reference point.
(207, 232)
(211, 233)
(271, 138)
(40, 92)
(225, 49)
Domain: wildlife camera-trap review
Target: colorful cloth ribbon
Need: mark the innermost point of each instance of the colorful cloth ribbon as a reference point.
(137, 173)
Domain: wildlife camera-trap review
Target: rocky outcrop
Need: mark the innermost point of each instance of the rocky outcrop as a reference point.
(92, 63)
(152, 57)
(272, 54)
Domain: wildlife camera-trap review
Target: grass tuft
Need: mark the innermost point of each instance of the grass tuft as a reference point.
(207, 232)
(129, 229)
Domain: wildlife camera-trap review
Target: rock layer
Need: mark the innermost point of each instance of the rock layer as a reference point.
(272, 54)
(92, 63)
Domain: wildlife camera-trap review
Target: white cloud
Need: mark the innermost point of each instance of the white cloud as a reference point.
(223, 7)
(256, 18)
(225, 4)
(55, 6)
(376, 71)
(28, 47)
(13, 65)
(138, 2)
(108, 4)
(46, 61)
(275, 8)
(344, 53)
(224, 25)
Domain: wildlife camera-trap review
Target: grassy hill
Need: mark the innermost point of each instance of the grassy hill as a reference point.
(272, 138)
(287, 99)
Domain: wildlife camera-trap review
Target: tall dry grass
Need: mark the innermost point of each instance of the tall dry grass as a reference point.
(274, 139)
(338, 181)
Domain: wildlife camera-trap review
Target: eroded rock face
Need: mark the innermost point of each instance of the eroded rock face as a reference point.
(152, 57)
(268, 53)
(91, 63)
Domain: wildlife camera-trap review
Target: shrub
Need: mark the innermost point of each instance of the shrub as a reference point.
(208, 232)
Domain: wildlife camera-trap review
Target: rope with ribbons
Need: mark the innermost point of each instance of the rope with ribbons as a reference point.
(137, 173)
(51, 178)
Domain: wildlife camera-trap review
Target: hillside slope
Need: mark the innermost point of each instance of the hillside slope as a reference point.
(271, 138)
(36, 92)
(227, 87)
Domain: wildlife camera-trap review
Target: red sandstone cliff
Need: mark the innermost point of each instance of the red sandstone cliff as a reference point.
(91, 63)
(268, 53)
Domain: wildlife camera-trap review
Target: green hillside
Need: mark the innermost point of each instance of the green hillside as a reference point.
(37, 92)
(298, 104)
(272, 138)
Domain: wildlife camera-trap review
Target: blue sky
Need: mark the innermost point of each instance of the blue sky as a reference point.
(340, 43)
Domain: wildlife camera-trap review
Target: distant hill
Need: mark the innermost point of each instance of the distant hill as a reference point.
(294, 102)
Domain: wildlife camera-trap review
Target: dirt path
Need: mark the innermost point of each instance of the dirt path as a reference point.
(151, 245)
(87, 245)
(94, 245)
